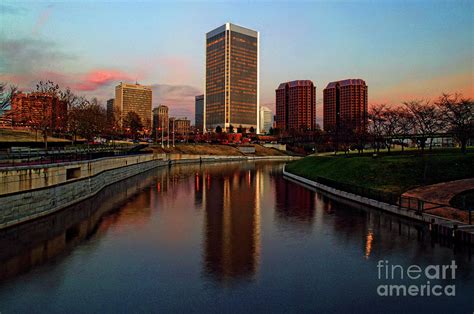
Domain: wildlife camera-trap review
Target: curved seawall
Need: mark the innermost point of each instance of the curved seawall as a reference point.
(29, 192)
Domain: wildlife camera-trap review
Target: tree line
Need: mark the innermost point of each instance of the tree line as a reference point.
(421, 120)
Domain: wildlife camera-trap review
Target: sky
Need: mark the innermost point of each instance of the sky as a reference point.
(404, 50)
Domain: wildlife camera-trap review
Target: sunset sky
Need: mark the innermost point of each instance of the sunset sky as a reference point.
(402, 49)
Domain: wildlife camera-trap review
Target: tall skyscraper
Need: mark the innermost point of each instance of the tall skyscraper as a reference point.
(345, 105)
(199, 113)
(232, 78)
(266, 119)
(296, 105)
(134, 97)
(160, 119)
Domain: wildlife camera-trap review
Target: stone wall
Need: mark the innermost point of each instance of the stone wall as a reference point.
(16, 179)
(29, 204)
(29, 192)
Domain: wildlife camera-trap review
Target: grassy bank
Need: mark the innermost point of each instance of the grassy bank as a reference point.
(215, 149)
(393, 173)
(24, 136)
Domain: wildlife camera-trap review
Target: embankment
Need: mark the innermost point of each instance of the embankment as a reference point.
(29, 192)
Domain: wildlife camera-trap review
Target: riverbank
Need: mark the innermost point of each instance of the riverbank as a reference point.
(390, 173)
(357, 180)
(29, 192)
(216, 150)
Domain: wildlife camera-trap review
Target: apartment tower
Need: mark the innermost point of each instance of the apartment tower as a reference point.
(345, 105)
(296, 105)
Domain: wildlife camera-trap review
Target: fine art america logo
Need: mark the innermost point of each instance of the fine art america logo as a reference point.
(414, 280)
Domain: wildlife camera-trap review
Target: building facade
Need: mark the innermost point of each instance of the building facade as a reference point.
(232, 78)
(199, 113)
(266, 119)
(136, 98)
(345, 105)
(39, 110)
(181, 126)
(160, 119)
(110, 111)
(296, 105)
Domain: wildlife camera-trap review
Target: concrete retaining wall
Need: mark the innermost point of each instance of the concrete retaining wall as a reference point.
(30, 192)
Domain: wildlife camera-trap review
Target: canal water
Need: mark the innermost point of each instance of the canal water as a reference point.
(226, 237)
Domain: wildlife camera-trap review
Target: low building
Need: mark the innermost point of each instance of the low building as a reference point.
(266, 119)
(39, 110)
(181, 126)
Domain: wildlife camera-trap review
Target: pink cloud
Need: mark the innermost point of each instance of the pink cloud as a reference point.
(98, 78)
(91, 81)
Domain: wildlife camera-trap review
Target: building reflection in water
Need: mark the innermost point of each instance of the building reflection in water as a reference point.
(294, 203)
(232, 223)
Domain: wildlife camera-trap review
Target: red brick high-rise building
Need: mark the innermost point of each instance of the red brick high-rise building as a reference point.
(296, 105)
(345, 105)
(42, 110)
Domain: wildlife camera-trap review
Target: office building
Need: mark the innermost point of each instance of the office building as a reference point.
(182, 126)
(296, 105)
(110, 111)
(345, 105)
(232, 78)
(199, 113)
(136, 98)
(266, 119)
(160, 119)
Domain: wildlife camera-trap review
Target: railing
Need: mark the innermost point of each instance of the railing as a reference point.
(409, 203)
(23, 156)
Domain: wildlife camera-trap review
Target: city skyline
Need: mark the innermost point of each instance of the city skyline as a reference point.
(400, 60)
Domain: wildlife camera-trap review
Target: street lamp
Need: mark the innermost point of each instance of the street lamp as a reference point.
(162, 130)
(173, 132)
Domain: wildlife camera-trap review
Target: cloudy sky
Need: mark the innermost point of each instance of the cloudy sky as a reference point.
(402, 49)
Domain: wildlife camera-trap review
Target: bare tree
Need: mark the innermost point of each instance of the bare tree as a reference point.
(376, 124)
(90, 118)
(405, 124)
(6, 95)
(390, 125)
(133, 122)
(426, 118)
(48, 87)
(458, 113)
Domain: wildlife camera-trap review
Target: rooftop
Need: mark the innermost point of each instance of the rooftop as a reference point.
(346, 82)
(296, 83)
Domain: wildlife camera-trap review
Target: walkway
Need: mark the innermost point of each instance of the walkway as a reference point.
(442, 193)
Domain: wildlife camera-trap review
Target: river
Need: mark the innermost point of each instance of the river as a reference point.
(233, 237)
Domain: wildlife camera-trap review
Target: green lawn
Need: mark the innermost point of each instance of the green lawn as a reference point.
(393, 173)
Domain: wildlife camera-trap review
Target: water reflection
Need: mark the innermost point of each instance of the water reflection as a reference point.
(231, 223)
(34, 243)
(178, 239)
(293, 203)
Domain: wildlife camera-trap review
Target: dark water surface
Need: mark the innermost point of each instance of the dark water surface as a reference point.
(232, 237)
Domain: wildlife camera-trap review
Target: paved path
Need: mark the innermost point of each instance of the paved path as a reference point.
(442, 193)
